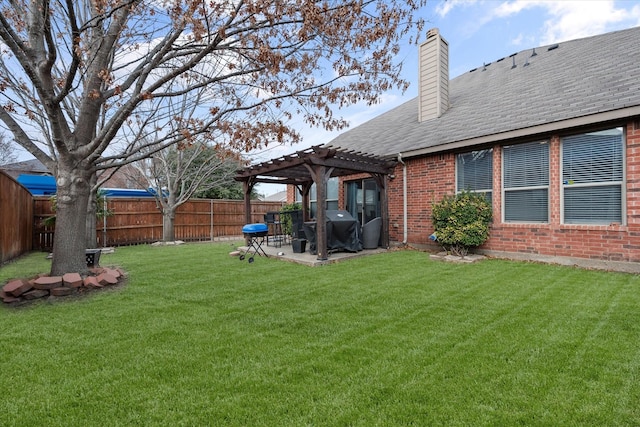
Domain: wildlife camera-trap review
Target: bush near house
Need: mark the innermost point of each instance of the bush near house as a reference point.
(461, 221)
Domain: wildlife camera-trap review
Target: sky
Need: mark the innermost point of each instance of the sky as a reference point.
(478, 31)
(482, 31)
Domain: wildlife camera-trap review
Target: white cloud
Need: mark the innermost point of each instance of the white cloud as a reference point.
(518, 40)
(634, 14)
(445, 6)
(548, 21)
(509, 8)
(563, 19)
(572, 19)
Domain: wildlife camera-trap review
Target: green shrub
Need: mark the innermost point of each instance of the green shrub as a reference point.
(285, 220)
(461, 221)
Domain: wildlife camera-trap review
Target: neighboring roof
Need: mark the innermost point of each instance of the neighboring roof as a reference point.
(562, 86)
(33, 167)
(280, 196)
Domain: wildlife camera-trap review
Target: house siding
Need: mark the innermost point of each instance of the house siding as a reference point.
(430, 178)
(487, 111)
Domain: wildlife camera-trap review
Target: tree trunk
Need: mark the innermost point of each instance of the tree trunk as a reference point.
(92, 210)
(168, 230)
(73, 189)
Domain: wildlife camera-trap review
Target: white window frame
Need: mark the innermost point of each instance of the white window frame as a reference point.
(486, 191)
(622, 183)
(505, 190)
(313, 201)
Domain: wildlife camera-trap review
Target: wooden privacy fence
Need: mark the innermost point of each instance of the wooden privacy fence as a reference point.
(16, 213)
(138, 220)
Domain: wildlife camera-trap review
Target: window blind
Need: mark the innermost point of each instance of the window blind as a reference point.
(475, 171)
(592, 205)
(592, 177)
(526, 182)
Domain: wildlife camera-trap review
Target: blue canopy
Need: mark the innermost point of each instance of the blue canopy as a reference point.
(38, 185)
(45, 185)
(126, 192)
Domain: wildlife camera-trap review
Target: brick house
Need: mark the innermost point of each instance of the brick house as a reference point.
(551, 135)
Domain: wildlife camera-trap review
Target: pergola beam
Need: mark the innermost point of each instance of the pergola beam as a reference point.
(316, 165)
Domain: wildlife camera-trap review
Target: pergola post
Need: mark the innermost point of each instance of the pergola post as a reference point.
(315, 165)
(321, 212)
(306, 187)
(320, 175)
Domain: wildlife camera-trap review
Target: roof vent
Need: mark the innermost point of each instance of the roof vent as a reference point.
(552, 47)
(513, 65)
(534, 52)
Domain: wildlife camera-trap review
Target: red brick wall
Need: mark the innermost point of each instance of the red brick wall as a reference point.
(291, 194)
(428, 179)
(431, 177)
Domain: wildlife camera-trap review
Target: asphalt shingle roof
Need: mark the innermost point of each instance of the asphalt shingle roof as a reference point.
(577, 78)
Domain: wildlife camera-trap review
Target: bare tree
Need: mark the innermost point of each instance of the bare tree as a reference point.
(7, 151)
(178, 173)
(83, 82)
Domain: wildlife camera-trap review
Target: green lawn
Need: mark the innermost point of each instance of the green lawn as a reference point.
(199, 338)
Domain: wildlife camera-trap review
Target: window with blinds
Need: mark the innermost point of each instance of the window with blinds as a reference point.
(525, 182)
(593, 177)
(474, 172)
(332, 197)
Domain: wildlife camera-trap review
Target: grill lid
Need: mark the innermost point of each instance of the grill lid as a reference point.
(255, 228)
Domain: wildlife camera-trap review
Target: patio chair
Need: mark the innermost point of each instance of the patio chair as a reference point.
(272, 219)
(371, 233)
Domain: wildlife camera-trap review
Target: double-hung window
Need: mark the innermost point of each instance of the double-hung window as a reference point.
(474, 172)
(525, 169)
(593, 177)
(332, 197)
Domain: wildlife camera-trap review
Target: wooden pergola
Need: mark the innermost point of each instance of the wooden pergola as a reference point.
(316, 165)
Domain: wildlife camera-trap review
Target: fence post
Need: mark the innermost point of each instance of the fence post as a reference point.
(211, 217)
(104, 221)
(136, 220)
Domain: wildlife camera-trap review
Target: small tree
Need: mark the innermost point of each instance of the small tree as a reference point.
(92, 85)
(7, 151)
(178, 173)
(461, 221)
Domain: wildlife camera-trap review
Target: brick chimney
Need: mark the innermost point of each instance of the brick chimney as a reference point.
(433, 92)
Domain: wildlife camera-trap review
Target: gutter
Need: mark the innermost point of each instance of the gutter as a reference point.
(536, 131)
(405, 233)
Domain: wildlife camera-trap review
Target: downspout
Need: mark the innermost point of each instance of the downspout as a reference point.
(405, 233)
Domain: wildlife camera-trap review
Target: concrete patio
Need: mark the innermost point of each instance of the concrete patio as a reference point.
(285, 253)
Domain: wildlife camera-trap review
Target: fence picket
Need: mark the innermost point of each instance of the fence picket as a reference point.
(138, 220)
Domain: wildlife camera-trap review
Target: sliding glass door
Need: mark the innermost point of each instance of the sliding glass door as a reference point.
(363, 199)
